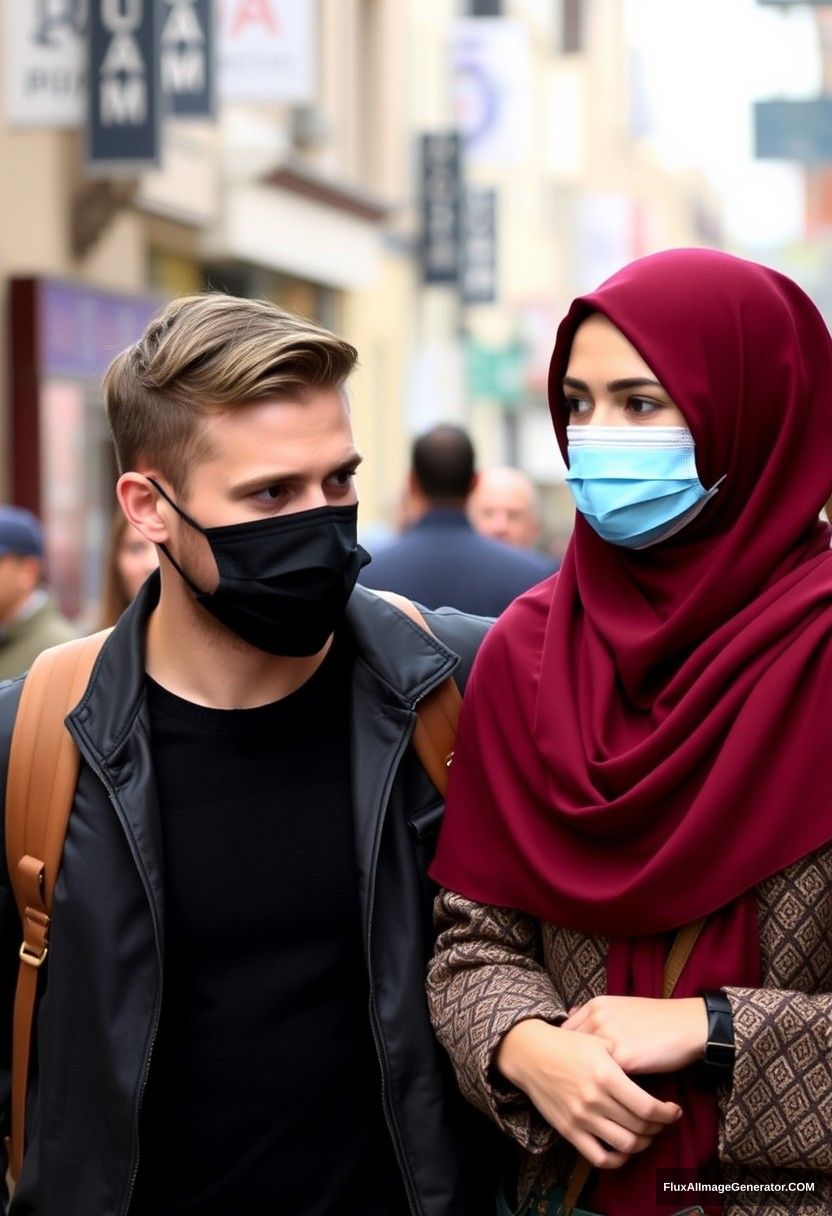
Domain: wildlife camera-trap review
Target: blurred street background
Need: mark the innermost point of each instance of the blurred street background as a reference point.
(435, 180)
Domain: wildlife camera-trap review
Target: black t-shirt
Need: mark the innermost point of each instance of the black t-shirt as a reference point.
(264, 1093)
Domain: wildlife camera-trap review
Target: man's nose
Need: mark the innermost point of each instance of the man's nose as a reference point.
(310, 498)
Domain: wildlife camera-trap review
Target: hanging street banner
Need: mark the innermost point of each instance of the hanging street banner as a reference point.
(266, 50)
(187, 58)
(44, 61)
(478, 270)
(491, 89)
(441, 207)
(123, 115)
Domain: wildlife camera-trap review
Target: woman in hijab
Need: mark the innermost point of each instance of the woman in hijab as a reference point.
(644, 744)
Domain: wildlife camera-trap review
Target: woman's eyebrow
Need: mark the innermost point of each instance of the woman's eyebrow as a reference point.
(614, 386)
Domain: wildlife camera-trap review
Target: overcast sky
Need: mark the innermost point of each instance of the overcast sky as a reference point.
(706, 61)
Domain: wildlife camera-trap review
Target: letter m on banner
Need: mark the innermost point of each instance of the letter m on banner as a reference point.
(123, 108)
(187, 58)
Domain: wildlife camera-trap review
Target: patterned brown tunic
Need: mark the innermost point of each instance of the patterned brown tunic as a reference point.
(494, 967)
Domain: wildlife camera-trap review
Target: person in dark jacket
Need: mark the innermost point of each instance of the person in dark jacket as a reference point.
(232, 1016)
(441, 559)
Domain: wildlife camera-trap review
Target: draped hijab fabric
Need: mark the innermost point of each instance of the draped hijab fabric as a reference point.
(645, 736)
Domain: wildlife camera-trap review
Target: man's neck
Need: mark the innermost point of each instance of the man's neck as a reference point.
(198, 659)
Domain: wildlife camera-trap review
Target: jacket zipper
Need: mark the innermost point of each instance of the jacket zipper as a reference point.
(157, 1006)
(387, 1106)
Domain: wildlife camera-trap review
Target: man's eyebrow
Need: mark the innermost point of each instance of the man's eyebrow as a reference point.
(348, 464)
(614, 386)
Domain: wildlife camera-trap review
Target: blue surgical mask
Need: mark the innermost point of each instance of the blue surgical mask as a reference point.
(635, 486)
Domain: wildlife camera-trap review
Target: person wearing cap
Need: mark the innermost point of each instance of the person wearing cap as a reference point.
(29, 617)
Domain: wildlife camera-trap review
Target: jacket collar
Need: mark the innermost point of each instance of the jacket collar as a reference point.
(444, 517)
(406, 661)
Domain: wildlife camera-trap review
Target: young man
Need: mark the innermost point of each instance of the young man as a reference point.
(233, 1018)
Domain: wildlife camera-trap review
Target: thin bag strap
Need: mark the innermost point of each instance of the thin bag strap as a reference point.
(434, 735)
(678, 955)
(43, 773)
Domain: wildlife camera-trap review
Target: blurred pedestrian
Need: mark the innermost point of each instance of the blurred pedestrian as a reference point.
(441, 559)
(236, 1018)
(504, 505)
(129, 562)
(29, 617)
(643, 761)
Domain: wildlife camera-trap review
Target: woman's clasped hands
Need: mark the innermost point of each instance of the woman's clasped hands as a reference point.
(576, 1074)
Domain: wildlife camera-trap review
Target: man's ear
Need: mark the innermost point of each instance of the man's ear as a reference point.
(140, 502)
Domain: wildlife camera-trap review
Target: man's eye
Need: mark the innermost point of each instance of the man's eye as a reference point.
(269, 494)
(344, 478)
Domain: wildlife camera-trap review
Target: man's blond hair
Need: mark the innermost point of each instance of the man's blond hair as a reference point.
(203, 355)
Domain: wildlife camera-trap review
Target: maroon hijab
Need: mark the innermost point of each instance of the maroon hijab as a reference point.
(645, 735)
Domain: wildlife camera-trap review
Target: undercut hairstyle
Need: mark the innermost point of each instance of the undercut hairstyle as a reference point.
(204, 355)
(443, 463)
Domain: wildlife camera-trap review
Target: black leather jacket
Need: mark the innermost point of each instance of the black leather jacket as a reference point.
(100, 992)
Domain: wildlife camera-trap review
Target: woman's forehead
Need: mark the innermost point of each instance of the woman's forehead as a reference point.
(599, 345)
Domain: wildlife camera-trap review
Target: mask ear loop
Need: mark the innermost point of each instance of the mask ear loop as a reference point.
(188, 581)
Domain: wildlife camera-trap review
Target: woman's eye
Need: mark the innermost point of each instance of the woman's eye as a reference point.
(642, 406)
(578, 405)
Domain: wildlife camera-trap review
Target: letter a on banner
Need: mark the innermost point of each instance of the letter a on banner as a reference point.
(124, 89)
(267, 50)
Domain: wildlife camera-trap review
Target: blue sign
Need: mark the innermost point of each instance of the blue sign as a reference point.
(794, 130)
(123, 93)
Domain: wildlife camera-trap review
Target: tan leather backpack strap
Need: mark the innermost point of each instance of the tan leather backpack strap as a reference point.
(577, 1182)
(434, 736)
(43, 773)
(678, 955)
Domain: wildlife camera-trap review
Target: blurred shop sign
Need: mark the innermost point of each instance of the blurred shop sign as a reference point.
(44, 61)
(441, 207)
(80, 330)
(794, 130)
(491, 76)
(478, 270)
(123, 110)
(187, 57)
(267, 50)
(494, 372)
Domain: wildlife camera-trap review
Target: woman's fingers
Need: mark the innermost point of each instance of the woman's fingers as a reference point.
(643, 1105)
(596, 1154)
(619, 1138)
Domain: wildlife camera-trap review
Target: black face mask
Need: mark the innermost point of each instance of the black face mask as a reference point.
(284, 581)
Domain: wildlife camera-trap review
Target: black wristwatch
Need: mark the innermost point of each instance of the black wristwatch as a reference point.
(717, 1063)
